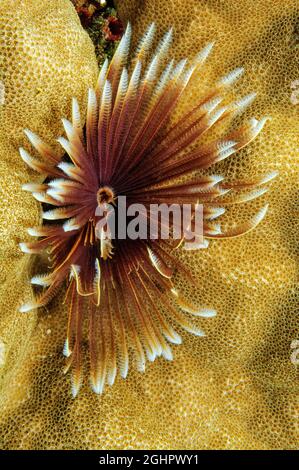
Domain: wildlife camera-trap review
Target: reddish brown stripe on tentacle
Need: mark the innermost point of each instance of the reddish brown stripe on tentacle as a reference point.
(92, 125)
(156, 116)
(151, 175)
(38, 166)
(155, 228)
(153, 124)
(44, 298)
(136, 343)
(71, 255)
(74, 145)
(206, 157)
(103, 127)
(71, 196)
(182, 139)
(78, 221)
(163, 326)
(35, 247)
(144, 329)
(200, 197)
(112, 362)
(117, 107)
(125, 121)
(136, 116)
(77, 366)
(46, 198)
(247, 184)
(119, 60)
(70, 297)
(46, 231)
(177, 316)
(155, 321)
(182, 123)
(78, 156)
(241, 198)
(65, 212)
(193, 187)
(149, 91)
(74, 172)
(243, 228)
(93, 345)
(101, 370)
(178, 265)
(147, 326)
(122, 343)
(45, 151)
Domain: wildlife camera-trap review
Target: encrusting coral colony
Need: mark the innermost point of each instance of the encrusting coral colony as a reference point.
(160, 123)
(127, 149)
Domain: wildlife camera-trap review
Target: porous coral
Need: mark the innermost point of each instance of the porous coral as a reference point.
(237, 388)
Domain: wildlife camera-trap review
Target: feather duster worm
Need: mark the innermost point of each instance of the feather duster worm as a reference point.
(120, 292)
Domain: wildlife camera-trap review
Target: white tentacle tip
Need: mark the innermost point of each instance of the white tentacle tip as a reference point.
(205, 52)
(217, 212)
(270, 176)
(111, 378)
(55, 195)
(69, 226)
(216, 116)
(167, 354)
(66, 350)
(28, 307)
(124, 371)
(225, 154)
(27, 132)
(207, 313)
(197, 332)
(28, 187)
(75, 390)
(244, 102)
(40, 281)
(257, 126)
(68, 127)
(261, 214)
(24, 248)
(226, 144)
(32, 137)
(231, 77)
(40, 197)
(25, 155)
(33, 232)
(176, 338)
(48, 215)
(97, 387)
(140, 365)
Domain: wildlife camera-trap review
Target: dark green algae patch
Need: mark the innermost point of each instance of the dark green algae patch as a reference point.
(100, 20)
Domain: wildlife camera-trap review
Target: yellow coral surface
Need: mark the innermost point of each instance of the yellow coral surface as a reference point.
(237, 387)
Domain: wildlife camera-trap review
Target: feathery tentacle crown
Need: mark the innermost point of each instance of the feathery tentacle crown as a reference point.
(121, 296)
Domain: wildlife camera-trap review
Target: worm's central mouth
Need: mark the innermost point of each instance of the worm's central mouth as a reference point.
(105, 195)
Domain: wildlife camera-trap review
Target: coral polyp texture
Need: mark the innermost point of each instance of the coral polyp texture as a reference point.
(121, 291)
